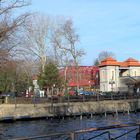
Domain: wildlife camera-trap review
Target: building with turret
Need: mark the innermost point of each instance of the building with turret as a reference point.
(119, 76)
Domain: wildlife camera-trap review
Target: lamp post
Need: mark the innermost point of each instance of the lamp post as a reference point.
(112, 83)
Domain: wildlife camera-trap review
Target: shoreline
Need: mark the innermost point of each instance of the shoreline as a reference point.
(25, 112)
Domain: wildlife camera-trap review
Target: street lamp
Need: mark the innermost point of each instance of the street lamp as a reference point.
(112, 83)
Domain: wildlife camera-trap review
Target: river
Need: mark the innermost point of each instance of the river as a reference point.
(43, 127)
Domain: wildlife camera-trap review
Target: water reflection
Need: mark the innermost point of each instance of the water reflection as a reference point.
(44, 127)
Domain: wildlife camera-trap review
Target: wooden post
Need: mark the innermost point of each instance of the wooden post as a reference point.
(91, 115)
(72, 136)
(81, 117)
(6, 99)
(116, 112)
(128, 112)
(105, 113)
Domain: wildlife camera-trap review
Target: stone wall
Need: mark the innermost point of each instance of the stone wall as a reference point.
(40, 110)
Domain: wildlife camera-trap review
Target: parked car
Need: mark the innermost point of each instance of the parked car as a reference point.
(86, 93)
(8, 94)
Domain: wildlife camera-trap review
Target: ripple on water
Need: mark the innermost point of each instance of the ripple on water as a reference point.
(43, 127)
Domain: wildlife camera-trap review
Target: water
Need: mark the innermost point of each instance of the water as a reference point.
(44, 127)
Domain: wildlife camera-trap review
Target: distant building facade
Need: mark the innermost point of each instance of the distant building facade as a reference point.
(118, 76)
(88, 76)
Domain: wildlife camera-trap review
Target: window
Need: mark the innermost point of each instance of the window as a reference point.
(135, 73)
(112, 75)
(103, 75)
(103, 87)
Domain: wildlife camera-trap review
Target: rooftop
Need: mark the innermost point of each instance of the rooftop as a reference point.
(109, 61)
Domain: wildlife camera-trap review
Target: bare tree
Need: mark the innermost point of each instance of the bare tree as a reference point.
(37, 38)
(11, 26)
(11, 31)
(9, 23)
(65, 39)
(102, 55)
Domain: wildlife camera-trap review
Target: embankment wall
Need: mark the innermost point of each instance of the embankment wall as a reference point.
(48, 109)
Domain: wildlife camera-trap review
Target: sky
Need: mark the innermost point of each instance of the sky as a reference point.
(103, 25)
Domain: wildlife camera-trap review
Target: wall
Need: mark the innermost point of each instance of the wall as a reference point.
(107, 74)
(126, 73)
(134, 71)
(40, 110)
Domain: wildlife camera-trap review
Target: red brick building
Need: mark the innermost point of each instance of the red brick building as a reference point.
(88, 76)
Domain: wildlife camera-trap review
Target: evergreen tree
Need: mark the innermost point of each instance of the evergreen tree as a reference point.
(50, 77)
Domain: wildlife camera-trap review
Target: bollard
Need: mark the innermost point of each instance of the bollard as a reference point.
(105, 113)
(123, 112)
(81, 117)
(72, 136)
(91, 115)
(116, 112)
(6, 100)
(63, 118)
(128, 112)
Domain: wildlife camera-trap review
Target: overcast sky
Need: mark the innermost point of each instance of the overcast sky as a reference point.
(103, 25)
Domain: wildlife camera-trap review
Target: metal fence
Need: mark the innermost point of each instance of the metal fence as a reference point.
(57, 99)
(73, 135)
